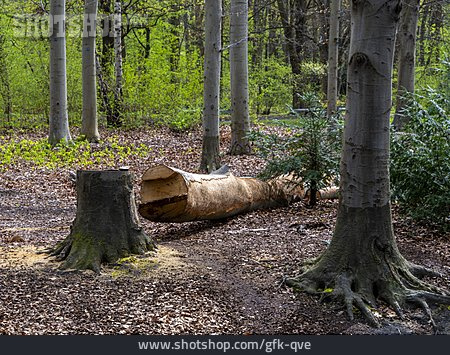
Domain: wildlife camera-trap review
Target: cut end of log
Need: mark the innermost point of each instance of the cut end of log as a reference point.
(172, 195)
(163, 194)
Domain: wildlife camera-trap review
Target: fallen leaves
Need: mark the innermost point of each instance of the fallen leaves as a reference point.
(211, 277)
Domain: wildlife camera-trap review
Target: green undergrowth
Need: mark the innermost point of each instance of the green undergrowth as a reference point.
(80, 153)
(420, 159)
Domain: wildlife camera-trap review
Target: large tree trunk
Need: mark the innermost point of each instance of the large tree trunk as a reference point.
(211, 86)
(240, 119)
(406, 58)
(173, 195)
(362, 262)
(106, 226)
(59, 120)
(89, 127)
(333, 50)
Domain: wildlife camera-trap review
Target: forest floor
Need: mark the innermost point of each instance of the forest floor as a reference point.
(223, 277)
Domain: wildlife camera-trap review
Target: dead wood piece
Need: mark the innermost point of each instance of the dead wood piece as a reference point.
(173, 195)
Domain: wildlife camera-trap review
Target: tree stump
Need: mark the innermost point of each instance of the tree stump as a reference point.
(106, 227)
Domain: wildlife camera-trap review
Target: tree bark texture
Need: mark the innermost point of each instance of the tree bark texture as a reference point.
(59, 120)
(406, 58)
(362, 262)
(210, 160)
(173, 195)
(89, 127)
(240, 119)
(106, 226)
(333, 50)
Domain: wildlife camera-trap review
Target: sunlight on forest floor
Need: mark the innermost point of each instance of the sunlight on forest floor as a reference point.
(165, 262)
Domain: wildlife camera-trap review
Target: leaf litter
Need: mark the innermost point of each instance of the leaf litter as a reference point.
(209, 277)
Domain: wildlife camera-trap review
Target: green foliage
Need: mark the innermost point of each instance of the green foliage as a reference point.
(184, 120)
(420, 159)
(270, 88)
(311, 77)
(80, 154)
(310, 150)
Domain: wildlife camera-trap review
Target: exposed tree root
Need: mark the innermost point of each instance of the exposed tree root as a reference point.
(397, 288)
(61, 250)
(420, 271)
(362, 265)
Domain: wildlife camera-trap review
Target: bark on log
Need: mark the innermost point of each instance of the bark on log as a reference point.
(106, 226)
(172, 195)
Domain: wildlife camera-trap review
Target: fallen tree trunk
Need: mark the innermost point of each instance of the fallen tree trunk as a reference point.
(172, 195)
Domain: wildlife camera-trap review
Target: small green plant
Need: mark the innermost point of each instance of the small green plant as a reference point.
(309, 150)
(79, 154)
(420, 159)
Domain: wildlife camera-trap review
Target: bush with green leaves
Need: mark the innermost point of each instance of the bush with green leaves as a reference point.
(309, 150)
(270, 88)
(420, 159)
(183, 120)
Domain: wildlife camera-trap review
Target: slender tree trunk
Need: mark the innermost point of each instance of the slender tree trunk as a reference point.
(118, 91)
(174, 41)
(5, 82)
(271, 47)
(259, 11)
(104, 69)
(89, 127)
(422, 33)
(363, 262)
(293, 21)
(198, 20)
(147, 43)
(323, 43)
(406, 58)
(59, 121)
(211, 85)
(240, 119)
(333, 50)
